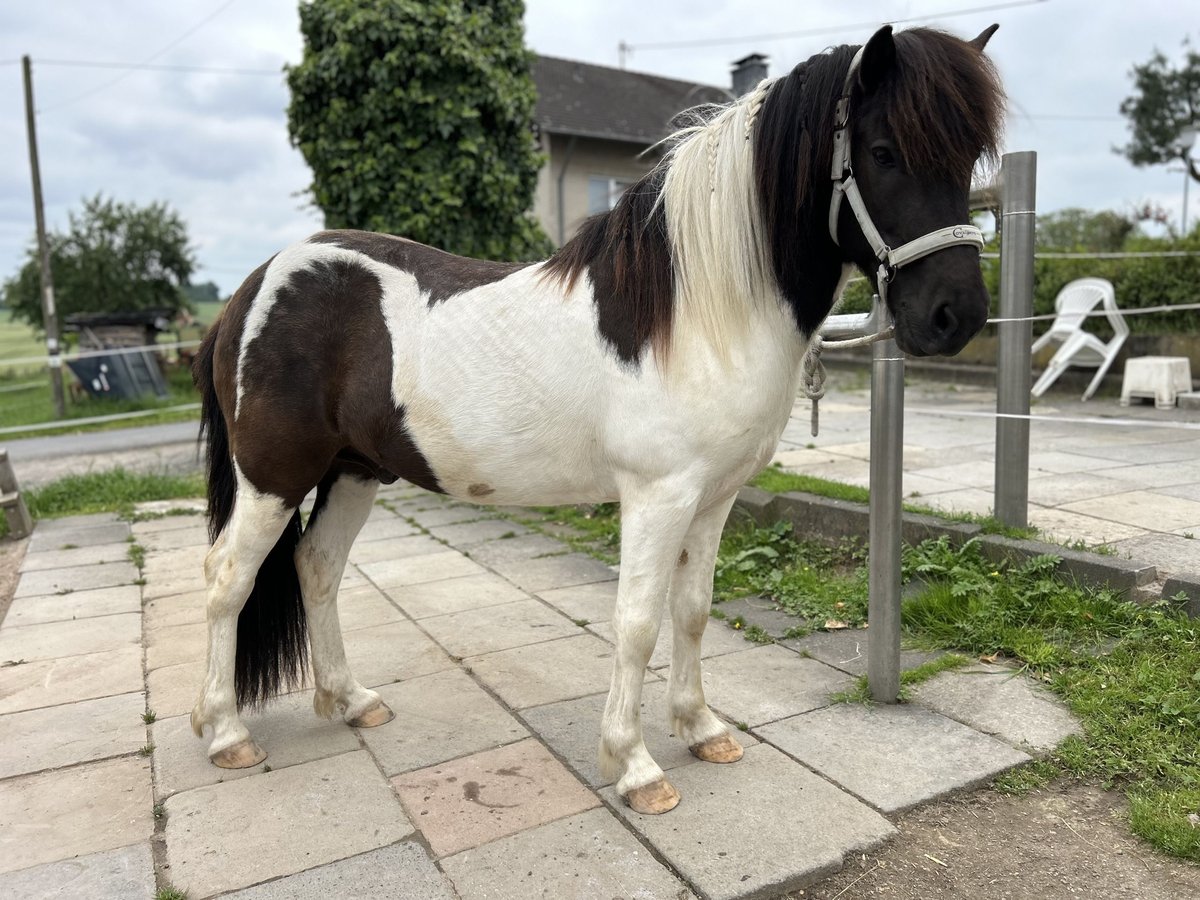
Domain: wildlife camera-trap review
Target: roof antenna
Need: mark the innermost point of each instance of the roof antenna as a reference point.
(623, 49)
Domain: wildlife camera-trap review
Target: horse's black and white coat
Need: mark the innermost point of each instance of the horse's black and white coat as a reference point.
(653, 360)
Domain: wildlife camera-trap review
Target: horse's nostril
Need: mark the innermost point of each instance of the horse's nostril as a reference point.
(944, 320)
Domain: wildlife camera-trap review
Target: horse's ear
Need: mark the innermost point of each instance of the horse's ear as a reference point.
(879, 56)
(984, 36)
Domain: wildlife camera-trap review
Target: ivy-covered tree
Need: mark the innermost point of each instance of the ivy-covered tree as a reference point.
(113, 257)
(417, 119)
(1083, 229)
(1165, 103)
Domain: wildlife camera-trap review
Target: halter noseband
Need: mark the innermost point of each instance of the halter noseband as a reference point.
(844, 184)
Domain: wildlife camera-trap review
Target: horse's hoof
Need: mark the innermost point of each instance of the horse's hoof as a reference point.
(379, 714)
(720, 749)
(242, 755)
(654, 798)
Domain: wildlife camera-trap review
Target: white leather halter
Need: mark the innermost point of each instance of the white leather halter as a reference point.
(844, 184)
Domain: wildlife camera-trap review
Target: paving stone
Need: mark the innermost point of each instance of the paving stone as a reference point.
(1172, 553)
(127, 873)
(438, 717)
(72, 523)
(419, 569)
(183, 580)
(590, 602)
(1001, 702)
(439, 598)
(769, 683)
(572, 729)
(287, 728)
(547, 672)
(469, 533)
(178, 609)
(758, 827)
(718, 639)
(45, 538)
(385, 529)
(392, 652)
(468, 802)
(445, 514)
(73, 638)
(530, 546)
(77, 605)
(58, 558)
(587, 856)
(176, 538)
(167, 562)
(395, 548)
(1065, 525)
(170, 514)
(366, 607)
(172, 690)
(847, 650)
(762, 612)
(175, 644)
(399, 871)
(228, 836)
(55, 736)
(77, 578)
(893, 757)
(50, 682)
(72, 812)
(477, 631)
(537, 575)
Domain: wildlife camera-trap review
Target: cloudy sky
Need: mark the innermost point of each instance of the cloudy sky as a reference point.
(215, 146)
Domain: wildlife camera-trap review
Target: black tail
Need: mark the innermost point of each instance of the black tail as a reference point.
(272, 644)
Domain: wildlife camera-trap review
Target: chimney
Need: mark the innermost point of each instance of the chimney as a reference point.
(748, 72)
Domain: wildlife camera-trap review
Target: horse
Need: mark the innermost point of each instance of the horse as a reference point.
(652, 360)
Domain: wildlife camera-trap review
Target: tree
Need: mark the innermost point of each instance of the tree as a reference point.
(1082, 229)
(1167, 101)
(207, 292)
(113, 257)
(416, 118)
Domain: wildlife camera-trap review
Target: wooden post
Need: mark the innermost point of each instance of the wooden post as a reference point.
(49, 313)
(20, 523)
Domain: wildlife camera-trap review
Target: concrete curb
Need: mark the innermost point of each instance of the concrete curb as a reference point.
(833, 520)
(1189, 586)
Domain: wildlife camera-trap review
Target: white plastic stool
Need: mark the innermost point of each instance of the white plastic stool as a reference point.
(1157, 377)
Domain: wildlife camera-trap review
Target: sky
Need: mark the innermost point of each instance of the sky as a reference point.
(215, 146)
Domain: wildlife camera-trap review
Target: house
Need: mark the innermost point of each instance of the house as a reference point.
(595, 123)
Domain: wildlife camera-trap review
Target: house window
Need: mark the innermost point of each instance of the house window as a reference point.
(604, 192)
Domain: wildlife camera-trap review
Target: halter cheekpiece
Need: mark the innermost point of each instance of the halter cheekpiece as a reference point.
(842, 172)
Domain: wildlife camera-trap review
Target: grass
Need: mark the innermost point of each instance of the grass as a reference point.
(909, 678)
(170, 893)
(594, 529)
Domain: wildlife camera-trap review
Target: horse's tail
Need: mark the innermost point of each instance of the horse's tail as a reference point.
(271, 633)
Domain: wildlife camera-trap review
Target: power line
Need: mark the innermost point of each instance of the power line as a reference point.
(149, 59)
(835, 29)
(99, 64)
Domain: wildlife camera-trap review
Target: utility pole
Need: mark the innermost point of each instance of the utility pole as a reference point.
(49, 314)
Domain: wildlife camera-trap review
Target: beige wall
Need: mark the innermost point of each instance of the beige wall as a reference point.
(611, 159)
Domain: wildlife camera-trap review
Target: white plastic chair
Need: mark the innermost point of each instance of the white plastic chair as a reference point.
(1079, 348)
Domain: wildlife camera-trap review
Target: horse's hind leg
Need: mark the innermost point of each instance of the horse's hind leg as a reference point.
(254, 526)
(691, 598)
(343, 503)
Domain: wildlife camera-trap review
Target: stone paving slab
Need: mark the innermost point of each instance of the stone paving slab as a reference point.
(584, 857)
(478, 631)
(49, 682)
(172, 690)
(77, 605)
(469, 533)
(385, 529)
(437, 512)
(439, 598)
(718, 640)
(572, 729)
(70, 812)
(419, 569)
(73, 523)
(471, 801)
(536, 575)
(175, 644)
(55, 736)
(176, 538)
(184, 580)
(438, 717)
(394, 548)
(287, 729)
(590, 603)
(1002, 702)
(193, 519)
(760, 611)
(758, 827)
(59, 558)
(893, 757)
(548, 672)
(529, 546)
(178, 609)
(399, 871)
(392, 652)
(124, 874)
(769, 683)
(78, 578)
(229, 836)
(45, 539)
(847, 650)
(73, 638)
(366, 607)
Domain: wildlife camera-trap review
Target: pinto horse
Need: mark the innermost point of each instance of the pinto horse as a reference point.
(653, 360)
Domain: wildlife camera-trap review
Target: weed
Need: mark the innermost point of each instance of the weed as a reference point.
(507, 535)
(170, 893)
(69, 547)
(757, 634)
(140, 582)
(796, 632)
(147, 750)
(776, 481)
(137, 556)
(582, 623)
(742, 726)
(1026, 778)
(1189, 535)
(266, 767)
(149, 717)
(159, 810)
(717, 614)
(113, 490)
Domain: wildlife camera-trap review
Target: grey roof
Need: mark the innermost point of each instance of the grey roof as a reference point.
(598, 101)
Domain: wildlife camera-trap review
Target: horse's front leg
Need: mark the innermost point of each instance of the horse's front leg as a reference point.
(691, 599)
(653, 524)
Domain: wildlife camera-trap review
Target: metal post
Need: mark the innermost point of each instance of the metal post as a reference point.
(49, 313)
(887, 457)
(1018, 172)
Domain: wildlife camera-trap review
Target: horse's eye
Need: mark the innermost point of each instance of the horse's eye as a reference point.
(883, 157)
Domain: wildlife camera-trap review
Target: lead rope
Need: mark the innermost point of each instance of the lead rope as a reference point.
(812, 370)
